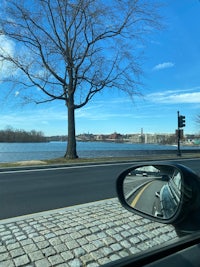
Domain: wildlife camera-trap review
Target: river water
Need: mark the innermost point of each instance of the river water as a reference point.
(11, 152)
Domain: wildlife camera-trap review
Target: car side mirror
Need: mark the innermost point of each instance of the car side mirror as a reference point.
(161, 192)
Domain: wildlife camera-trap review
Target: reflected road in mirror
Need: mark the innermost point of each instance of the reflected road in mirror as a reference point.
(154, 190)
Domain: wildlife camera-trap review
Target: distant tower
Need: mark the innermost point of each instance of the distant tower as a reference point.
(142, 136)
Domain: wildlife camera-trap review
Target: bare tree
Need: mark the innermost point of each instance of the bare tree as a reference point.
(70, 50)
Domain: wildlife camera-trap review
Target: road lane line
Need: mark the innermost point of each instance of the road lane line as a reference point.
(68, 167)
(53, 168)
(134, 202)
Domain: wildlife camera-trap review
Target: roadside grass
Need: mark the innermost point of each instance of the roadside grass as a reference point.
(64, 161)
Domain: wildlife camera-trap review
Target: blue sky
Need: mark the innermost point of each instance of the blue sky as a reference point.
(171, 83)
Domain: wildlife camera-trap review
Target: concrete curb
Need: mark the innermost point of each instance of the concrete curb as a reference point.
(54, 166)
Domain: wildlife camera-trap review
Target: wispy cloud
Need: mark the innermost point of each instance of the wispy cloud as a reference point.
(164, 65)
(96, 115)
(39, 116)
(176, 96)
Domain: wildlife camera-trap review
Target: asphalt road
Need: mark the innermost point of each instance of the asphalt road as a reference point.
(25, 192)
(144, 198)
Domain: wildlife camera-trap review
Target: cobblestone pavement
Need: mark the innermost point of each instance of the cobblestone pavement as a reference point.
(85, 235)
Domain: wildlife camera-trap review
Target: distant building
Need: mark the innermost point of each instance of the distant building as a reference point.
(115, 136)
(100, 137)
(140, 138)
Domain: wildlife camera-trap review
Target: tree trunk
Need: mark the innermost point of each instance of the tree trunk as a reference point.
(71, 152)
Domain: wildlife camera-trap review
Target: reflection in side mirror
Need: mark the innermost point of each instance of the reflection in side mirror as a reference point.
(154, 190)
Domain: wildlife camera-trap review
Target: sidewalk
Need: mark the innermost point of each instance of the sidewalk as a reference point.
(85, 235)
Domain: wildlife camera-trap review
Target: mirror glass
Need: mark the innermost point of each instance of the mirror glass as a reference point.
(154, 190)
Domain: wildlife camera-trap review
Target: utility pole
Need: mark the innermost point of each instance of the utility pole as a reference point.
(181, 124)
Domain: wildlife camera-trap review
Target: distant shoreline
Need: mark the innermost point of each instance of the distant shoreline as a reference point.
(99, 141)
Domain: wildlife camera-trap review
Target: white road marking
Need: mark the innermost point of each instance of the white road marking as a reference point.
(92, 166)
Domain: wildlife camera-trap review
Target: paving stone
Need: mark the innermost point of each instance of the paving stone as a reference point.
(18, 233)
(134, 250)
(104, 260)
(125, 244)
(89, 247)
(134, 240)
(42, 244)
(42, 263)
(78, 252)
(116, 247)
(22, 260)
(75, 263)
(108, 240)
(123, 254)
(2, 229)
(98, 243)
(5, 233)
(16, 230)
(165, 238)
(72, 244)
(133, 231)
(142, 237)
(67, 255)
(75, 235)
(118, 237)
(114, 257)
(50, 235)
(91, 237)
(150, 235)
(21, 237)
(66, 238)
(30, 248)
(29, 230)
(56, 259)
(97, 254)
(6, 237)
(60, 232)
(103, 227)
(13, 246)
(106, 251)
(10, 241)
(86, 259)
(4, 256)
(3, 249)
(95, 229)
(60, 248)
(101, 235)
(55, 241)
(26, 242)
(17, 252)
(38, 239)
(49, 251)
(8, 263)
(82, 241)
(36, 255)
(143, 246)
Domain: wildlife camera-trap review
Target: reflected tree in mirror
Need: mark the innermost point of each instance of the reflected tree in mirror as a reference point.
(154, 190)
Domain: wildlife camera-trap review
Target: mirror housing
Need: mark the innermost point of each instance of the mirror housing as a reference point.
(165, 193)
